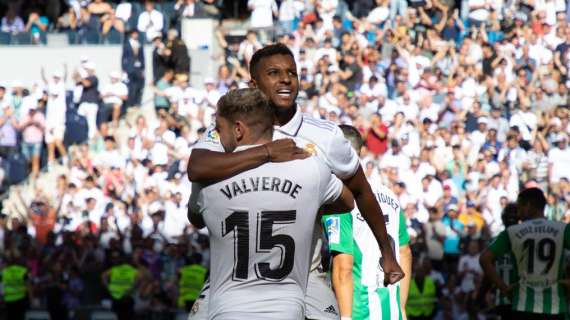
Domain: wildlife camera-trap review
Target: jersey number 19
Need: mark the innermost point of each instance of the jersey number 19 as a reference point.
(238, 224)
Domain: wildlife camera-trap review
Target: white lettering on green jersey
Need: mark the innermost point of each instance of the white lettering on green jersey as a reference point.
(537, 246)
(350, 234)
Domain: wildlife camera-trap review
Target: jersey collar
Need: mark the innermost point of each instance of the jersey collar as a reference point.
(292, 127)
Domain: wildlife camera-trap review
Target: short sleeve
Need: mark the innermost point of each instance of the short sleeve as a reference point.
(210, 141)
(338, 228)
(341, 157)
(567, 237)
(403, 235)
(501, 245)
(330, 187)
(195, 199)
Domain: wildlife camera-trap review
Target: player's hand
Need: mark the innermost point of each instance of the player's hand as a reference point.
(506, 290)
(285, 150)
(392, 271)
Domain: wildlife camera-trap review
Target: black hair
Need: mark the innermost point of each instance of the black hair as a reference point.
(533, 197)
(510, 214)
(266, 52)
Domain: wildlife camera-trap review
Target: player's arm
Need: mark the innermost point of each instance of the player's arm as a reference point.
(405, 263)
(207, 166)
(499, 247)
(194, 214)
(372, 213)
(344, 203)
(339, 234)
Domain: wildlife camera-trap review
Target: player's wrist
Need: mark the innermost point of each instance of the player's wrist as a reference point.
(267, 153)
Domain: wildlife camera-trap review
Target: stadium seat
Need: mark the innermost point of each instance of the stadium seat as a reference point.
(37, 315)
(72, 37)
(16, 167)
(5, 38)
(113, 37)
(103, 315)
(22, 38)
(90, 37)
(75, 128)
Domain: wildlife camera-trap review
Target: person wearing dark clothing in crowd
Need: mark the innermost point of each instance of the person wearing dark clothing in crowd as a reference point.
(89, 102)
(159, 59)
(179, 58)
(133, 64)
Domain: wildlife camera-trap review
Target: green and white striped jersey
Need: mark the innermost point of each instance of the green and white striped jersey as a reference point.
(537, 246)
(350, 234)
(506, 269)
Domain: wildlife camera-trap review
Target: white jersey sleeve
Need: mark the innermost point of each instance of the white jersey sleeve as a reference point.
(210, 141)
(341, 157)
(330, 187)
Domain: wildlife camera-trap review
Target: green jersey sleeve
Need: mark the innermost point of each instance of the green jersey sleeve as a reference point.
(403, 235)
(338, 228)
(501, 245)
(567, 237)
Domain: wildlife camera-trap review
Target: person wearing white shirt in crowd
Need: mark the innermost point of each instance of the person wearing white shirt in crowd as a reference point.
(262, 13)
(114, 95)
(513, 153)
(248, 47)
(150, 21)
(56, 109)
(111, 156)
(559, 159)
(493, 209)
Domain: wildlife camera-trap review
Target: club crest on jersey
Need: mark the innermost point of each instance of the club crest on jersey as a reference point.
(311, 148)
(195, 307)
(212, 136)
(333, 229)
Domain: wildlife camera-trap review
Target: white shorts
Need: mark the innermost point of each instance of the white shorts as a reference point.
(54, 134)
(320, 301)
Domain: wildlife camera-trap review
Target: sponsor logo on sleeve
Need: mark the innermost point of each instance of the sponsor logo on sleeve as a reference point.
(212, 136)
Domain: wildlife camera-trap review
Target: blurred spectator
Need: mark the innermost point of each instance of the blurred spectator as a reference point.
(133, 64)
(114, 96)
(177, 53)
(32, 126)
(67, 21)
(262, 13)
(88, 27)
(187, 9)
(89, 101)
(99, 8)
(37, 23)
(12, 23)
(110, 21)
(8, 135)
(56, 109)
(150, 21)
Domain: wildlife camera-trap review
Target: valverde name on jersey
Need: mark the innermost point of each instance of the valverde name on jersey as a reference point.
(258, 184)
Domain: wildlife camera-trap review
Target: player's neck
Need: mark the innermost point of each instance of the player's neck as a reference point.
(283, 117)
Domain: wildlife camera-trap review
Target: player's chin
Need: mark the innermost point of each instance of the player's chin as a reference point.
(283, 104)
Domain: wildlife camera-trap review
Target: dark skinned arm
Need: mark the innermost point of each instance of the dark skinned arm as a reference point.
(372, 213)
(487, 262)
(207, 166)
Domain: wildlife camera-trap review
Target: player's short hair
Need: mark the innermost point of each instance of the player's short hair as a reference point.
(266, 52)
(534, 197)
(510, 214)
(353, 136)
(250, 106)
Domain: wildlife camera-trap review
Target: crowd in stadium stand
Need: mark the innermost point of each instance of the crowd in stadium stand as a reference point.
(460, 108)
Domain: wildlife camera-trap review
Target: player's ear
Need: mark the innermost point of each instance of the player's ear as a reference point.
(252, 84)
(239, 130)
